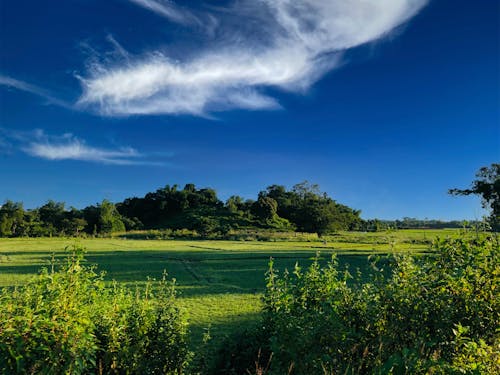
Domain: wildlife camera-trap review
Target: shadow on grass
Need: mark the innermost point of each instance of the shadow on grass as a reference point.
(220, 329)
(197, 273)
(205, 353)
(220, 290)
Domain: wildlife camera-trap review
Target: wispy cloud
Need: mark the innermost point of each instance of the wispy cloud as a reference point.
(32, 89)
(169, 10)
(75, 149)
(284, 44)
(39, 144)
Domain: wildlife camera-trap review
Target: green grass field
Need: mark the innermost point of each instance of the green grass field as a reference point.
(220, 283)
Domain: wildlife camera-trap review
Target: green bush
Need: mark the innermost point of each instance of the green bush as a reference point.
(68, 322)
(434, 314)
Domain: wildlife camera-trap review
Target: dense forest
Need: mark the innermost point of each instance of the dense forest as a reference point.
(303, 208)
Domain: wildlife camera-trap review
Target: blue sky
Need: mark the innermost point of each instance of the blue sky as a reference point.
(385, 104)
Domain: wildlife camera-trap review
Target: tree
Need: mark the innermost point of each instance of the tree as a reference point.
(91, 216)
(487, 186)
(52, 215)
(73, 226)
(109, 218)
(265, 208)
(11, 218)
(311, 210)
(282, 197)
(204, 225)
(234, 203)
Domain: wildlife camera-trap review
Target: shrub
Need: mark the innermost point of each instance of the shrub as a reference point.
(434, 314)
(69, 322)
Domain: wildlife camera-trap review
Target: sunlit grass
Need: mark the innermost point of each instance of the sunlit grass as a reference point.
(220, 283)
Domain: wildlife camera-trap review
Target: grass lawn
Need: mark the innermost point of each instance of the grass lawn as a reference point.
(220, 283)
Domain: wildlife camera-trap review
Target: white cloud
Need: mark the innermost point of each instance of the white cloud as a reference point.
(169, 10)
(32, 89)
(69, 147)
(75, 149)
(20, 85)
(293, 44)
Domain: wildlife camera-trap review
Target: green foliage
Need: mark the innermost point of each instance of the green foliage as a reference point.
(310, 210)
(52, 213)
(235, 204)
(304, 208)
(413, 223)
(109, 218)
(474, 356)
(487, 186)
(158, 207)
(68, 322)
(411, 321)
(221, 281)
(265, 208)
(11, 219)
(48, 220)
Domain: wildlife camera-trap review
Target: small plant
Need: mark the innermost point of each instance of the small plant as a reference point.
(434, 314)
(67, 321)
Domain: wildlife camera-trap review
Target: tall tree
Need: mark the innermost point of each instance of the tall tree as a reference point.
(234, 204)
(109, 218)
(11, 218)
(311, 210)
(487, 186)
(265, 208)
(52, 215)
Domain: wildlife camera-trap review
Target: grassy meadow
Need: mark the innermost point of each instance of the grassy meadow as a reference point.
(220, 283)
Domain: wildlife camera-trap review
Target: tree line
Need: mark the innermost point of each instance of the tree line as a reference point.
(302, 208)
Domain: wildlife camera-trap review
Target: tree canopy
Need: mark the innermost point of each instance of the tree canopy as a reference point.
(487, 186)
(304, 208)
(311, 210)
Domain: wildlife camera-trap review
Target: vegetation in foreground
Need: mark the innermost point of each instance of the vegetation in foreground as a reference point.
(219, 283)
(68, 322)
(433, 314)
(439, 314)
